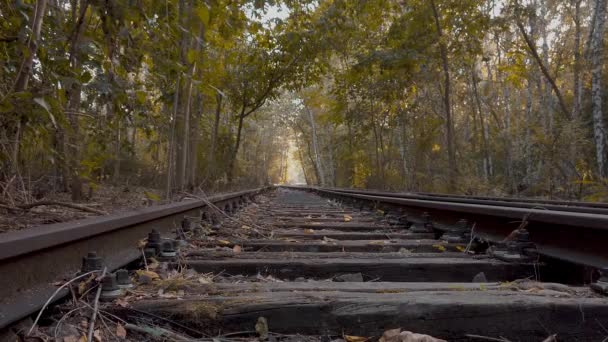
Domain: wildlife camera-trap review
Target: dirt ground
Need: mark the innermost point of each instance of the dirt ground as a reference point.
(105, 199)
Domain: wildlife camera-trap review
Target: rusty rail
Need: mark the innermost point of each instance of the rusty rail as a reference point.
(560, 233)
(32, 259)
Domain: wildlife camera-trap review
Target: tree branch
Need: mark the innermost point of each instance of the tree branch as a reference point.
(543, 68)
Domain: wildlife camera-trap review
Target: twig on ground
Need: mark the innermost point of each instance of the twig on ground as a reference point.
(96, 307)
(157, 332)
(53, 296)
(28, 206)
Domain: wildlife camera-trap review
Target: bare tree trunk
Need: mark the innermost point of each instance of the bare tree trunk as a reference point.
(237, 144)
(577, 84)
(24, 73)
(315, 146)
(483, 125)
(171, 150)
(452, 170)
(194, 139)
(597, 49)
(183, 117)
(211, 161)
(73, 149)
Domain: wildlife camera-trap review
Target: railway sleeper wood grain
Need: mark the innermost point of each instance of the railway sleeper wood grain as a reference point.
(337, 235)
(338, 225)
(445, 314)
(336, 219)
(293, 245)
(402, 270)
(213, 254)
(546, 289)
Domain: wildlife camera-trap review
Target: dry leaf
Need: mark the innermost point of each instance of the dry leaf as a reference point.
(245, 227)
(122, 302)
(391, 335)
(121, 332)
(71, 338)
(261, 327)
(461, 248)
(204, 280)
(224, 242)
(237, 249)
(326, 239)
(440, 247)
(347, 218)
(377, 242)
(149, 274)
(309, 231)
(350, 338)
(82, 339)
(408, 336)
(97, 335)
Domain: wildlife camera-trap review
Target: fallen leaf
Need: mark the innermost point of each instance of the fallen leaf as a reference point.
(97, 335)
(377, 242)
(122, 302)
(380, 212)
(309, 231)
(461, 248)
(440, 247)
(236, 249)
(326, 239)
(347, 218)
(391, 336)
(224, 242)
(350, 338)
(261, 327)
(71, 338)
(204, 280)
(149, 274)
(408, 336)
(121, 332)
(245, 227)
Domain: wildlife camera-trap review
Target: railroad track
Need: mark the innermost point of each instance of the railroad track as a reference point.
(296, 266)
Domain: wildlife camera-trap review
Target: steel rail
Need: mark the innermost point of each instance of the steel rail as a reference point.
(578, 207)
(575, 237)
(31, 260)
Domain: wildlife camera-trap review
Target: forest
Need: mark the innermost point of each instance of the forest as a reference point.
(499, 97)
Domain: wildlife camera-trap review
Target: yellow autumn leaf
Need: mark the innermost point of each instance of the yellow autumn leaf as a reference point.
(439, 247)
(309, 231)
(224, 242)
(149, 274)
(350, 338)
(461, 248)
(347, 218)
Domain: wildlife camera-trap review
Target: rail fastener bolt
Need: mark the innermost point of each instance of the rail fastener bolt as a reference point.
(424, 226)
(461, 233)
(168, 250)
(91, 262)
(109, 288)
(601, 285)
(123, 280)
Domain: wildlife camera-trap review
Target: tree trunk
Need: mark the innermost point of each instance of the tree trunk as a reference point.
(484, 131)
(237, 144)
(315, 146)
(24, 73)
(194, 140)
(211, 158)
(576, 84)
(73, 153)
(452, 170)
(597, 48)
